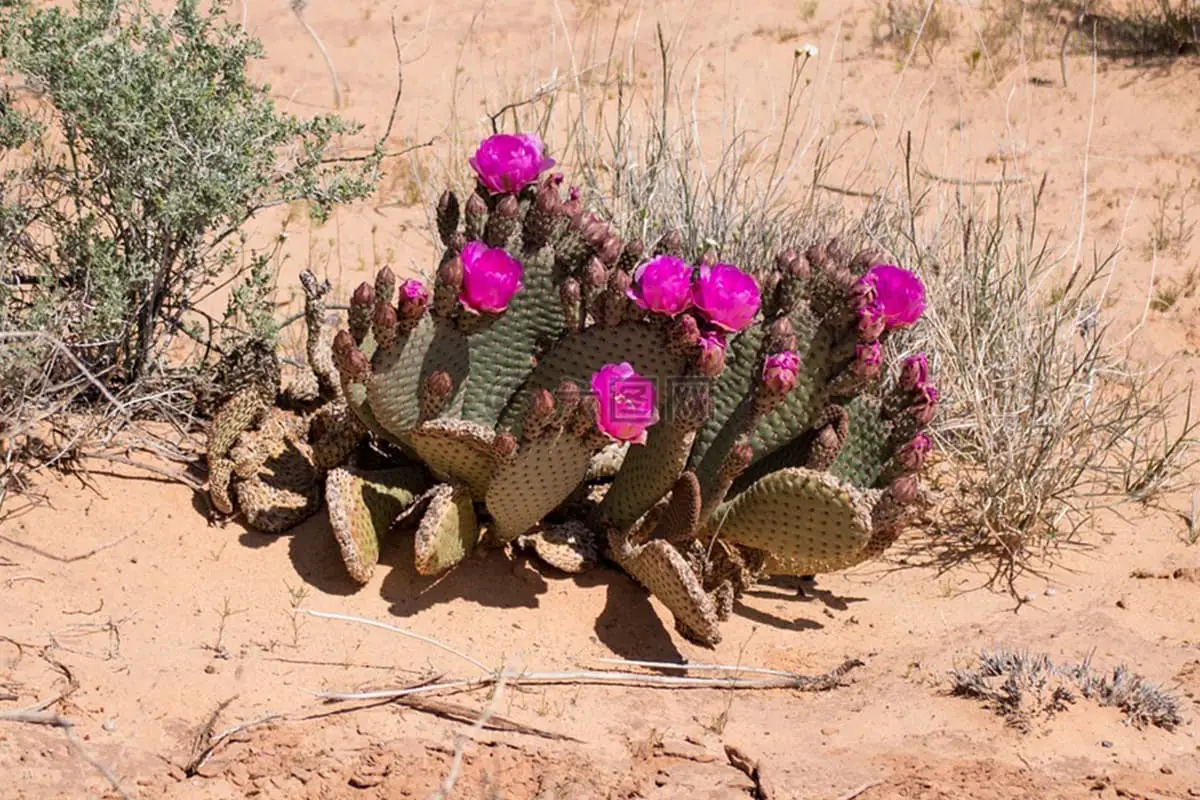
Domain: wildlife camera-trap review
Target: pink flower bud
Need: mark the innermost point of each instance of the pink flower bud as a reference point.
(626, 403)
(508, 163)
(780, 372)
(663, 285)
(414, 299)
(728, 297)
(925, 407)
(899, 294)
(914, 372)
(490, 279)
(711, 360)
(912, 456)
(350, 362)
(685, 333)
(870, 322)
(868, 359)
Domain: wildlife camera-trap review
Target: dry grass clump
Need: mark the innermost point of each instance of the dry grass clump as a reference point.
(1023, 687)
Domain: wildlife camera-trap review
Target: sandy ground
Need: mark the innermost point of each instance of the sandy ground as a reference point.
(122, 600)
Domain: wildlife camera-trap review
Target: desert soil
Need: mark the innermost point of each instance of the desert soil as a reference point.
(121, 599)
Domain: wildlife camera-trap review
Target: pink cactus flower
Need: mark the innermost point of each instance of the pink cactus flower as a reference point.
(662, 285)
(628, 403)
(508, 163)
(490, 278)
(898, 293)
(914, 372)
(728, 297)
(711, 360)
(780, 372)
(414, 299)
(868, 359)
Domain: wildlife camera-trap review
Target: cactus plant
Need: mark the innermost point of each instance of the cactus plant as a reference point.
(699, 425)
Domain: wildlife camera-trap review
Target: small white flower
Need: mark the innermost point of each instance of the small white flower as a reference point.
(809, 50)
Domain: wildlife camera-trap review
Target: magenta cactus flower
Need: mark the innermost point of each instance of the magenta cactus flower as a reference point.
(898, 293)
(508, 163)
(728, 297)
(662, 285)
(780, 372)
(490, 279)
(868, 359)
(628, 402)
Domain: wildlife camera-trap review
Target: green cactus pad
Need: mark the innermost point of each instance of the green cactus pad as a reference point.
(646, 475)
(502, 354)
(808, 521)
(544, 473)
(659, 567)
(576, 357)
(456, 451)
(399, 371)
(868, 449)
(362, 506)
(448, 530)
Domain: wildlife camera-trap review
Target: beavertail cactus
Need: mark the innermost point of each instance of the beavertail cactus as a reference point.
(699, 423)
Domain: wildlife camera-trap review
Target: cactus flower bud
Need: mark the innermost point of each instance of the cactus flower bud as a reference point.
(508, 163)
(870, 322)
(384, 324)
(685, 334)
(912, 456)
(610, 249)
(728, 297)
(385, 286)
(780, 336)
(490, 279)
(868, 359)
(505, 446)
(541, 404)
(914, 372)
(905, 490)
(362, 303)
(711, 360)
(350, 362)
(447, 216)
(414, 299)
(780, 372)
(663, 285)
(924, 409)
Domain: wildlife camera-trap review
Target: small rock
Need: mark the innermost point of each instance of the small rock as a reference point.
(1121, 603)
(1051, 591)
(210, 669)
(1165, 770)
(1106, 743)
(109, 725)
(1029, 597)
